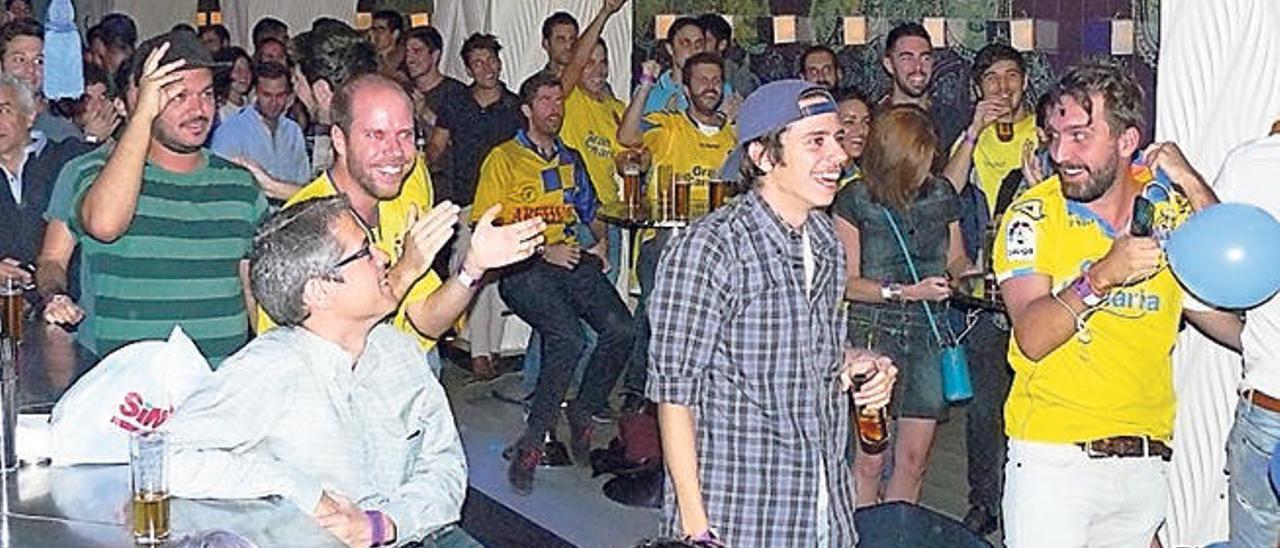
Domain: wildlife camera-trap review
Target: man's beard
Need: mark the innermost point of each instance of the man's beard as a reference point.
(171, 142)
(1098, 183)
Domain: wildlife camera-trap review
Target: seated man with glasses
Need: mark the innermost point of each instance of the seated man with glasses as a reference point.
(335, 410)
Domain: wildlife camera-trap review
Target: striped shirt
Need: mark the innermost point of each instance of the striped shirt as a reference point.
(290, 415)
(62, 208)
(739, 340)
(178, 262)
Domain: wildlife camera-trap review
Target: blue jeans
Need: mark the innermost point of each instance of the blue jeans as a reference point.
(531, 363)
(987, 346)
(647, 273)
(553, 301)
(1254, 509)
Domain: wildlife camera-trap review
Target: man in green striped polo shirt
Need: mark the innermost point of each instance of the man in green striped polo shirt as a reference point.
(164, 225)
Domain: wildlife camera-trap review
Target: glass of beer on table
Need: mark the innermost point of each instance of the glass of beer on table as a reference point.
(11, 304)
(149, 475)
(631, 164)
(717, 193)
(680, 187)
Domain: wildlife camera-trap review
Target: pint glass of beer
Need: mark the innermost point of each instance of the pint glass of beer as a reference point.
(680, 187)
(149, 472)
(664, 179)
(11, 309)
(717, 192)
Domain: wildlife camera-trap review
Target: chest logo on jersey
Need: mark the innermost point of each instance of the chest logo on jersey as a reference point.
(1136, 299)
(599, 145)
(550, 214)
(1020, 240)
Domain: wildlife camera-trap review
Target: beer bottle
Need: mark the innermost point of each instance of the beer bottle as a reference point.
(873, 424)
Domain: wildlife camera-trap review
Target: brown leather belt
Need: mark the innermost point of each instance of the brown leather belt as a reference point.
(1126, 446)
(1261, 399)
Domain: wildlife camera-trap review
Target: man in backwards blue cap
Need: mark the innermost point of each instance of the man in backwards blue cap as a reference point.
(748, 363)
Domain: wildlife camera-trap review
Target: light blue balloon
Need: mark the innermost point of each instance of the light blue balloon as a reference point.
(1228, 255)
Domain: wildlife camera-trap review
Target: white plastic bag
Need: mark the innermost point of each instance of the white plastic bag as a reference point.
(136, 387)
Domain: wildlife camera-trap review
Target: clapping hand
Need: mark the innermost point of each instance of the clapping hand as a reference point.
(497, 246)
(427, 234)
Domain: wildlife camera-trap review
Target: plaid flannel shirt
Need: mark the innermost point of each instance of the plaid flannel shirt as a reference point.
(737, 339)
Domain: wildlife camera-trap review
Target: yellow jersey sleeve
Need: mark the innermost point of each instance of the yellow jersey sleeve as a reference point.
(657, 133)
(1018, 250)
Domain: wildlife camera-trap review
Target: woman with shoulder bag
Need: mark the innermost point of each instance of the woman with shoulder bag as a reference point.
(901, 234)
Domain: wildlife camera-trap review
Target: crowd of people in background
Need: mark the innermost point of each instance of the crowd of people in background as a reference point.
(318, 209)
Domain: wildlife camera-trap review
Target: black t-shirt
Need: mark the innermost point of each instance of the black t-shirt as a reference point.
(473, 132)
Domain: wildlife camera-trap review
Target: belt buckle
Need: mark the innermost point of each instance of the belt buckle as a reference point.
(1092, 453)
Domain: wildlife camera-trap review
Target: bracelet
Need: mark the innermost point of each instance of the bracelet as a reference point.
(467, 279)
(1082, 332)
(970, 136)
(646, 80)
(377, 533)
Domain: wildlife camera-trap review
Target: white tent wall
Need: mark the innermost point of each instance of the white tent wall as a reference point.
(1219, 64)
(240, 15)
(518, 26)
(152, 17)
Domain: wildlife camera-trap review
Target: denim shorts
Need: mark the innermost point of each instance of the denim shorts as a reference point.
(901, 332)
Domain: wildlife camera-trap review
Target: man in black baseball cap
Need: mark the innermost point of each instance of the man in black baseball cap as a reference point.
(747, 362)
(164, 225)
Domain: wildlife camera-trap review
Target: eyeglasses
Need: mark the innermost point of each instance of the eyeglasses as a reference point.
(364, 253)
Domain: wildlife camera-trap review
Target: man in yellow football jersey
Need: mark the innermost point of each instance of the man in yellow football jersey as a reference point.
(694, 144)
(986, 171)
(1095, 313)
(377, 167)
(535, 175)
(591, 112)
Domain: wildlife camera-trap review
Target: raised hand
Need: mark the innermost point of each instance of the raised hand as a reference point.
(496, 246)
(156, 87)
(1031, 169)
(100, 121)
(427, 234)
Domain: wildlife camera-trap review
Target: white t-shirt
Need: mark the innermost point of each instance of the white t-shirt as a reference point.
(1248, 175)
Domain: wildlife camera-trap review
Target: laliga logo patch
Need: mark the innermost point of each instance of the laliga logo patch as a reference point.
(1020, 240)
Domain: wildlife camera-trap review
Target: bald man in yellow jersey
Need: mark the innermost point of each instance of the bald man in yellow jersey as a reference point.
(377, 167)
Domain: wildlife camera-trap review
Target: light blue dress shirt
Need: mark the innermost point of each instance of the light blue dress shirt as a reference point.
(283, 154)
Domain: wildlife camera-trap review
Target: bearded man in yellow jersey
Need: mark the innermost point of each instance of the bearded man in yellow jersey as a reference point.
(374, 159)
(1095, 313)
(694, 143)
(535, 175)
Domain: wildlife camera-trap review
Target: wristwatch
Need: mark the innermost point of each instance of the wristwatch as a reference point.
(467, 279)
(890, 292)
